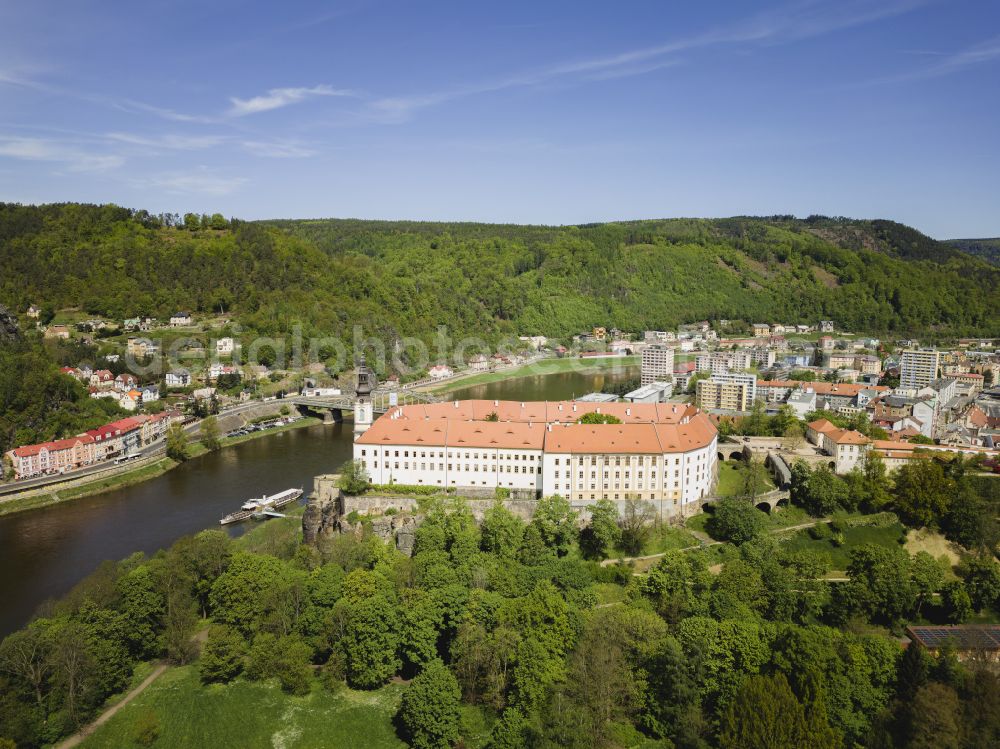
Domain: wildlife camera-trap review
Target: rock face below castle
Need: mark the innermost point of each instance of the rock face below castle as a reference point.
(326, 514)
(320, 521)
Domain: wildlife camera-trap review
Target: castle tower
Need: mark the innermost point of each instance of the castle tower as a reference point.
(363, 408)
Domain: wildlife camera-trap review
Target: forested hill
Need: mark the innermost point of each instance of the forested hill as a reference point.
(987, 249)
(407, 278)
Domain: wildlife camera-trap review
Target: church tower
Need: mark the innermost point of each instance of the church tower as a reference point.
(363, 408)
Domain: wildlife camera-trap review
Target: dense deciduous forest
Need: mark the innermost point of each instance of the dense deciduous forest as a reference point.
(988, 249)
(403, 278)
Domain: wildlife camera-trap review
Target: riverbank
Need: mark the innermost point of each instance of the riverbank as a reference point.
(33, 499)
(537, 368)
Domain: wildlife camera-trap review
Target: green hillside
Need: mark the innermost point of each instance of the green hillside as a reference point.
(987, 249)
(405, 278)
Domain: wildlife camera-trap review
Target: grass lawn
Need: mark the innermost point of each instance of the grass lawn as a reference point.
(934, 544)
(665, 538)
(731, 479)
(249, 714)
(786, 517)
(837, 556)
(543, 367)
(697, 522)
(608, 593)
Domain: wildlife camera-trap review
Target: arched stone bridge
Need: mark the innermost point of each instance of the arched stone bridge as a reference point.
(729, 450)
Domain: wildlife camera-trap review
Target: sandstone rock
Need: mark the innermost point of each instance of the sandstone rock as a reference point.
(9, 329)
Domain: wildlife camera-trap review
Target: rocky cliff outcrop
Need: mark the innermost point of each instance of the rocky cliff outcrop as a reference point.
(9, 329)
(324, 518)
(321, 519)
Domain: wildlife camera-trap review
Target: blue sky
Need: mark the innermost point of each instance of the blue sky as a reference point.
(561, 111)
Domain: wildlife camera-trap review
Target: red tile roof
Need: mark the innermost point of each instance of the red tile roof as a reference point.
(54, 446)
(645, 427)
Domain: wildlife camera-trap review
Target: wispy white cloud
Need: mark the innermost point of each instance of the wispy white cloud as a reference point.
(947, 64)
(170, 141)
(276, 98)
(278, 149)
(796, 21)
(72, 156)
(201, 181)
(165, 113)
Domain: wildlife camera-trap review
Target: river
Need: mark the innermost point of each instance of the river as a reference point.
(45, 552)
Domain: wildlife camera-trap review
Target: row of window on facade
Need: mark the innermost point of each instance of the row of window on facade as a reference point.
(640, 460)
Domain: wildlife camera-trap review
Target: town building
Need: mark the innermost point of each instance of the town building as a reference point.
(440, 371)
(106, 442)
(847, 447)
(130, 400)
(102, 379)
(829, 395)
(726, 392)
(840, 360)
(802, 402)
(657, 364)
(654, 392)
(826, 326)
(479, 363)
(918, 368)
(723, 362)
(658, 336)
(125, 382)
(970, 381)
(180, 319)
(178, 378)
(761, 330)
(660, 453)
(57, 331)
(225, 346)
(979, 642)
(762, 356)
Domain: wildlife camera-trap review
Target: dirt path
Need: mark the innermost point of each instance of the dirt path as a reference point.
(108, 714)
(77, 738)
(704, 540)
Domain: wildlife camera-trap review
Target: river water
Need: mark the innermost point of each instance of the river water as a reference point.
(44, 552)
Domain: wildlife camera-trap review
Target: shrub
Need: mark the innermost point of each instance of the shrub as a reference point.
(735, 520)
(147, 729)
(429, 710)
(222, 659)
(353, 478)
(820, 532)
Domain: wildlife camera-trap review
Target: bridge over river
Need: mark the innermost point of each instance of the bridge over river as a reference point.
(333, 406)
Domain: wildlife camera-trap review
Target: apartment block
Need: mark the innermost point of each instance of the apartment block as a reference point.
(728, 392)
(657, 364)
(918, 368)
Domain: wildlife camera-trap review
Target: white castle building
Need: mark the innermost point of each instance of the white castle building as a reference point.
(664, 453)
